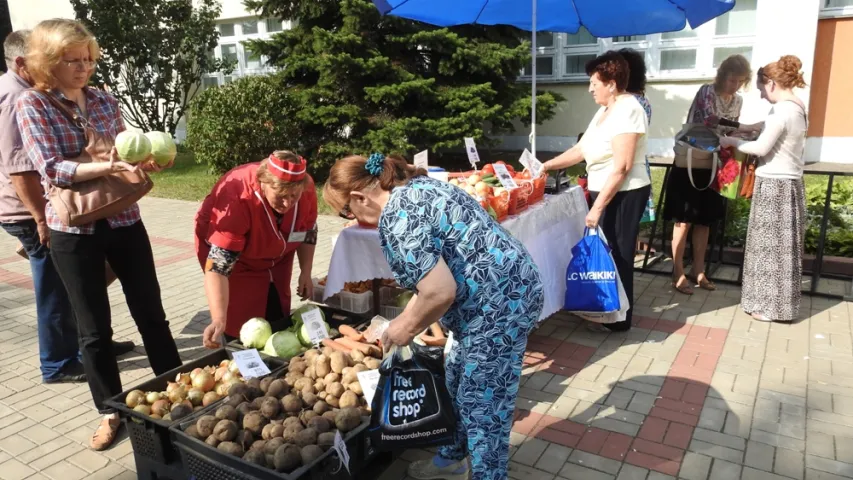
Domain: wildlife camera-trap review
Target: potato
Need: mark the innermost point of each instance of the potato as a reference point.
(320, 424)
(255, 423)
(272, 445)
(338, 361)
(349, 378)
(306, 437)
(319, 386)
(291, 404)
(360, 368)
(333, 401)
(290, 433)
(205, 425)
(226, 412)
(321, 407)
(287, 458)
(291, 422)
(309, 399)
(278, 388)
(231, 448)
(212, 441)
(245, 439)
(310, 453)
(258, 445)
(326, 440)
(335, 389)
(322, 395)
(346, 371)
(357, 356)
(290, 379)
(270, 407)
(349, 400)
(255, 457)
(311, 372)
(372, 363)
(322, 366)
(225, 430)
(347, 419)
(306, 417)
(192, 431)
(265, 384)
(302, 383)
(332, 378)
(331, 415)
(355, 387)
(327, 351)
(310, 355)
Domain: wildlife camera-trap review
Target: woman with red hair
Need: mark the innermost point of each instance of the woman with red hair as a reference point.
(614, 147)
(257, 219)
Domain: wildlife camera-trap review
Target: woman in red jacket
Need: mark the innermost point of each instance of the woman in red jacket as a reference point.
(248, 230)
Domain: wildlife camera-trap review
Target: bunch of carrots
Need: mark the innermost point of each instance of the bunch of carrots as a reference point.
(351, 339)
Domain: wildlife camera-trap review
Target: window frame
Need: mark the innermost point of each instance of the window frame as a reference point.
(705, 42)
(242, 68)
(835, 12)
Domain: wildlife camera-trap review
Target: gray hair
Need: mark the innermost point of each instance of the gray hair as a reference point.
(15, 46)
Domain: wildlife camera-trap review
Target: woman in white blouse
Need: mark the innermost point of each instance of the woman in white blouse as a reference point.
(614, 146)
(772, 269)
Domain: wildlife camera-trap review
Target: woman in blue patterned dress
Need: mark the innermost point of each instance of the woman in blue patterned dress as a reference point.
(469, 273)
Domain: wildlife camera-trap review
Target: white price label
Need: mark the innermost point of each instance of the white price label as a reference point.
(531, 163)
(317, 330)
(250, 364)
(449, 345)
(369, 380)
(471, 150)
(504, 176)
(422, 159)
(341, 448)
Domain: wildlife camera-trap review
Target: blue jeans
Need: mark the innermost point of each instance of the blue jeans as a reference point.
(57, 328)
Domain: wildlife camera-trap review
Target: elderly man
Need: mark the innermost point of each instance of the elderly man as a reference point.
(22, 205)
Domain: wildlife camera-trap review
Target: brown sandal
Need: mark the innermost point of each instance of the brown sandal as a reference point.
(105, 435)
(705, 284)
(681, 287)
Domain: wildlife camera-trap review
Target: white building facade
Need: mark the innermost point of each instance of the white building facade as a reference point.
(678, 64)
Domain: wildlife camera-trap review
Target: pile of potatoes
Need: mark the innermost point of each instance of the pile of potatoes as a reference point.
(285, 423)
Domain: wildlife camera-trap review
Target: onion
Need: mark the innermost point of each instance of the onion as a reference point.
(195, 373)
(204, 381)
(195, 396)
(233, 368)
(218, 374)
(152, 397)
(177, 394)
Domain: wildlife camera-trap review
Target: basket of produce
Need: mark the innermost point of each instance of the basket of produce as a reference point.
(289, 431)
(538, 189)
(356, 297)
(518, 198)
(149, 409)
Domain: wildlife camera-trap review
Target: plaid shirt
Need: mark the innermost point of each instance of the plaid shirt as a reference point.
(50, 138)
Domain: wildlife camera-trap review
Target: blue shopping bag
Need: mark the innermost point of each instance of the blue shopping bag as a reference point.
(592, 284)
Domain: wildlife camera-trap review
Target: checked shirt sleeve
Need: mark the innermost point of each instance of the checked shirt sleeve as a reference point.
(41, 144)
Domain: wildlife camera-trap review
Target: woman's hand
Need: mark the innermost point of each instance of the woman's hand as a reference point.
(726, 142)
(305, 290)
(117, 165)
(593, 217)
(398, 333)
(213, 333)
(151, 165)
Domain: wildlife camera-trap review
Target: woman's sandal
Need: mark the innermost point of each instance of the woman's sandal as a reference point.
(705, 284)
(760, 317)
(681, 285)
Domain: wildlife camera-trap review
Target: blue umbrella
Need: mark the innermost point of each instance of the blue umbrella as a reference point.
(602, 18)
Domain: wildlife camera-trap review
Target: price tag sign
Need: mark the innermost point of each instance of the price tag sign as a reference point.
(422, 159)
(341, 448)
(531, 163)
(504, 176)
(471, 150)
(369, 380)
(316, 326)
(449, 345)
(250, 364)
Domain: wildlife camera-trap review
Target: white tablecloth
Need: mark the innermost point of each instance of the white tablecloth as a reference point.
(548, 229)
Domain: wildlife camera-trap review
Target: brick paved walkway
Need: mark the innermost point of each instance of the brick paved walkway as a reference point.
(696, 390)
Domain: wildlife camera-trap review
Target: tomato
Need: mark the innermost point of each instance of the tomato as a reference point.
(488, 169)
(524, 175)
(510, 169)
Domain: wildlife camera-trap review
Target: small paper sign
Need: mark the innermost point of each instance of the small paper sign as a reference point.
(250, 364)
(471, 150)
(531, 163)
(341, 448)
(369, 380)
(422, 159)
(316, 326)
(449, 345)
(504, 176)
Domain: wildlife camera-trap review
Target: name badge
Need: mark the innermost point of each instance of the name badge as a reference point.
(296, 237)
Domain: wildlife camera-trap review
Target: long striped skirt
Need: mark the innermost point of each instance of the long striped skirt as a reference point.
(773, 267)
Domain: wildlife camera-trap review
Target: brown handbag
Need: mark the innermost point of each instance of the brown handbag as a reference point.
(747, 180)
(103, 197)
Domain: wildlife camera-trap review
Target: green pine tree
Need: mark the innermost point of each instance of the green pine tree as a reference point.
(371, 83)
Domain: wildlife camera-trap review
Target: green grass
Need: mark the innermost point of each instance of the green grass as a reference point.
(188, 180)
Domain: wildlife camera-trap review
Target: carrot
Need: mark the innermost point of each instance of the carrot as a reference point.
(353, 345)
(334, 345)
(351, 333)
(435, 328)
(433, 341)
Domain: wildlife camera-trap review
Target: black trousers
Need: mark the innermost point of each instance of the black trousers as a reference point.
(621, 225)
(79, 259)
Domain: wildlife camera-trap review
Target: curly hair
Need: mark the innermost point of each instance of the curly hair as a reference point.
(786, 72)
(734, 65)
(610, 67)
(637, 70)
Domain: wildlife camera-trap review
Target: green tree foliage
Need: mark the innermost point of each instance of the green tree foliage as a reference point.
(154, 54)
(366, 83)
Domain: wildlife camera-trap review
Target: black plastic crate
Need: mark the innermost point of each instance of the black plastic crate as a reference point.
(150, 437)
(201, 461)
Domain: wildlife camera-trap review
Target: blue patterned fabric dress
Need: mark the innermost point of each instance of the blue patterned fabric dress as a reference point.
(499, 299)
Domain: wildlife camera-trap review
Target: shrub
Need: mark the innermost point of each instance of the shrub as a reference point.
(243, 121)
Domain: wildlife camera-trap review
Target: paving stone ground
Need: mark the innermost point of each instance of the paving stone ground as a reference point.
(696, 390)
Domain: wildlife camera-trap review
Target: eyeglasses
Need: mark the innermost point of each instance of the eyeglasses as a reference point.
(346, 213)
(79, 64)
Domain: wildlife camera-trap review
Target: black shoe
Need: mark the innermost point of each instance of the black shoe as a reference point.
(73, 373)
(120, 348)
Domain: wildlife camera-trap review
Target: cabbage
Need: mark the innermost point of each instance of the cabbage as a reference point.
(132, 147)
(163, 148)
(299, 327)
(255, 333)
(296, 315)
(305, 339)
(283, 345)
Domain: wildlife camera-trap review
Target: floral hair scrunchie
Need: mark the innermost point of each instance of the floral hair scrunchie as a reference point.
(375, 164)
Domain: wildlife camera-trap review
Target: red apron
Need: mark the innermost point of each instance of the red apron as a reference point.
(236, 216)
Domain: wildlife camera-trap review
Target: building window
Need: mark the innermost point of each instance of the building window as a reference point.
(249, 27)
(273, 25)
(836, 8)
(253, 60)
(687, 54)
(229, 53)
(208, 82)
(838, 3)
(226, 29)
